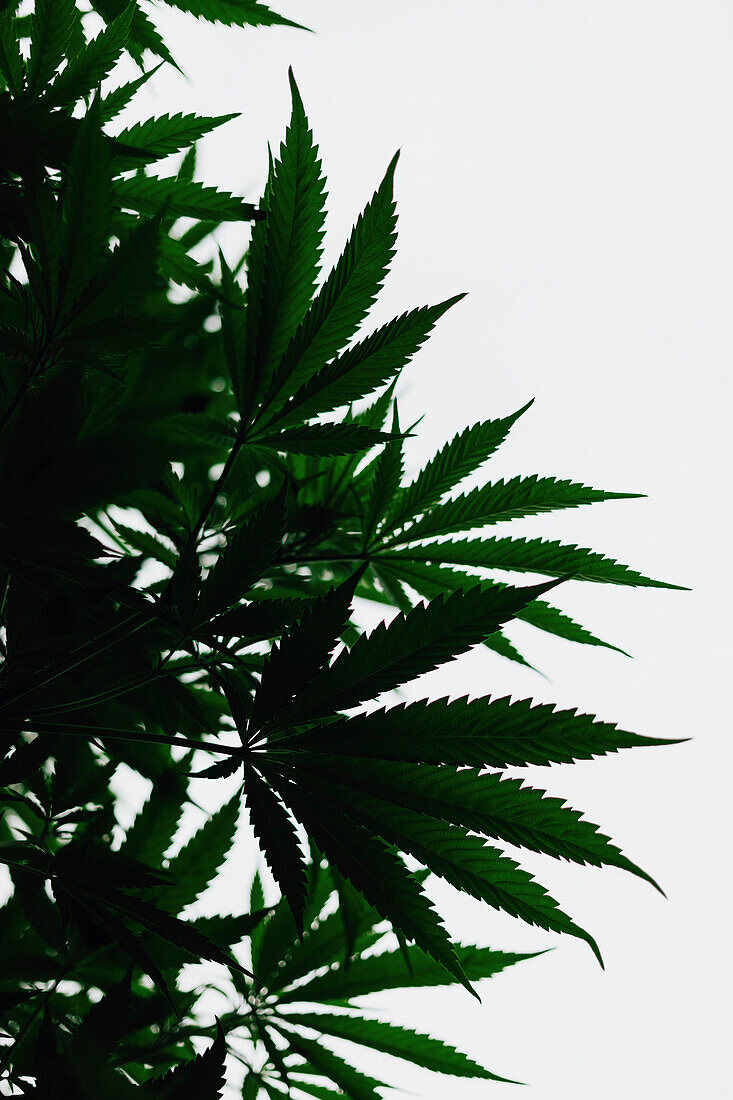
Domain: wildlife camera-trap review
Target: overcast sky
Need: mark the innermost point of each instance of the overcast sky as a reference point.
(569, 163)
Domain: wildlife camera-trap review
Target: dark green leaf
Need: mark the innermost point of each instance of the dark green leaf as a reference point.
(278, 840)
(401, 1042)
(181, 198)
(553, 559)
(324, 439)
(345, 297)
(409, 646)
(390, 970)
(465, 453)
(245, 558)
(194, 867)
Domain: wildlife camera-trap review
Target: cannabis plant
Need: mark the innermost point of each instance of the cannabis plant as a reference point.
(200, 490)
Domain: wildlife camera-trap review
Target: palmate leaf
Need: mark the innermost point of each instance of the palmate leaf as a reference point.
(234, 13)
(260, 618)
(388, 469)
(166, 134)
(503, 500)
(181, 198)
(352, 1082)
(373, 869)
(87, 69)
(344, 299)
(402, 1042)
(324, 439)
(52, 24)
(203, 1077)
(536, 555)
(488, 732)
(393, 788)
(430, 580)
(279, 936)
(118, 98)
(324, 944)
(274, 829)
(398, 969)
(143, 33)
(409, 646)
(464, 454)
(246, 556)
(497, 807)
(292, 232)
(366, 366)
(302, 651)
(194, 867)
(152, 832)
(450, 851)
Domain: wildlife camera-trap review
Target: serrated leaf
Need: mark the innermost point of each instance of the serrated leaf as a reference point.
(146, 543)
(503, 500)
(324, 439)
(123, 279)
(499, 643)
(203, 1077)
(87, 211)
(450, 851)
(352, 1082)
(323, 942)
(293, 231)
(248, 553)
(374, 870)
(278, 840)
(345, 298)
(488, 732)
(555, 559)
(280, 938)
(181, 198)
(233, 331)
(262, 618)
(302, 651)
(194, 867)
(388, 470)
(401, 1042)
(430, 580)
(51, 28)
(366, 366)
(154, 827)
(118, 98)
(87, 69)
(390, 970)
(11, 59)
(166, 134)
(465, 453)
(409, 646)
(502, 808)
(234, 13)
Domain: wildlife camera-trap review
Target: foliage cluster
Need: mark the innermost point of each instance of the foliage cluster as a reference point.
(197, 492)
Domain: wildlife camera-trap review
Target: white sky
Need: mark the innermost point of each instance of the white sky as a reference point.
(569, 163)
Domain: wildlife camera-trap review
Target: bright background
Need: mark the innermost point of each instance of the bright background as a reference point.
(569, 163)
